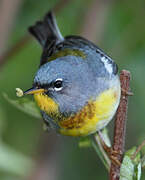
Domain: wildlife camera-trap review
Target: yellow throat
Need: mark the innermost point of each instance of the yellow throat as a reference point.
(46, 103)
(92, 117)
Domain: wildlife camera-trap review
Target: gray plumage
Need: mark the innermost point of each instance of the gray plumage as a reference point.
(83, 78)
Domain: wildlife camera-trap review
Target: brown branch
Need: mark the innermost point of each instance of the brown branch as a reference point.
(26, 38)
(138, 149)
(8, 12)
(120, 124)
(14, 49)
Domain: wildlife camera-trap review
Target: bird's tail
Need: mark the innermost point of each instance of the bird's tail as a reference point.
(46, 30)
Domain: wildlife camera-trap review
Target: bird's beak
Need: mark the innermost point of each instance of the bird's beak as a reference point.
(34, 90)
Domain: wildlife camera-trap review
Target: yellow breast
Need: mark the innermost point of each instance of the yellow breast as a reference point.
(92, 117)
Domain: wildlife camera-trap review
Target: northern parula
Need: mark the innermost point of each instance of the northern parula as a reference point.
(76, 86)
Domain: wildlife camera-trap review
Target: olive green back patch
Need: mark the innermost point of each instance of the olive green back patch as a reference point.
(66, 52)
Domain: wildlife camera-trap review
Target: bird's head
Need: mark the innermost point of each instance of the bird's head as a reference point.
(63, 85)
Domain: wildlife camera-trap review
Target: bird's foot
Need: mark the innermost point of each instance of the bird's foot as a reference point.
(126, 93)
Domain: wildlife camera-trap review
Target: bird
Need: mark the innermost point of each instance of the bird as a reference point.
(76, 86)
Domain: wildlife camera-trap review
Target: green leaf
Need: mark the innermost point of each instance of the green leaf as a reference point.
(26, 105)
(137, 175)
(127, 169)
(143, 161)
(130, 168)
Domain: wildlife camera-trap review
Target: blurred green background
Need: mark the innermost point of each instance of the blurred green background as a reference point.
(26, 151)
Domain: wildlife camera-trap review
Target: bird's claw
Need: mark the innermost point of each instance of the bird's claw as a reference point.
(126, 93)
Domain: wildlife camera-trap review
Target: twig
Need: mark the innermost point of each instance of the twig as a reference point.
(120, 124)
(8, 12)
(14, 49)
(138, 149)
(26, 38)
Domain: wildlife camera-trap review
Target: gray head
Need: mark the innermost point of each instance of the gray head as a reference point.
(69, 81)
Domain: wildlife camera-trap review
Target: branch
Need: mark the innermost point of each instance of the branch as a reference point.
(8, 12)
(120, 124)
(14, 49)
(138, 149)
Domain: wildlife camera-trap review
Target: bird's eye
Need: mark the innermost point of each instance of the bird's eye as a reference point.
(58, 84)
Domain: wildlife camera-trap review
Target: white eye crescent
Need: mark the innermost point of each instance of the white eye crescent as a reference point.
(58, 84)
